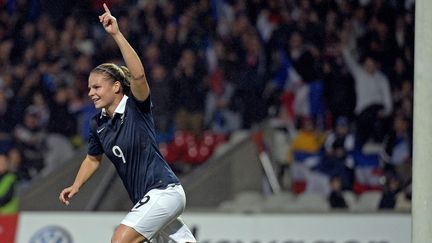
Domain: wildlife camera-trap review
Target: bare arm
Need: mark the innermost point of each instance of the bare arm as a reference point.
(139, 85)
(87, 169)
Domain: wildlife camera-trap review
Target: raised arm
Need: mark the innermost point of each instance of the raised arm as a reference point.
(347, 43)
(354, 67)
(138, 82)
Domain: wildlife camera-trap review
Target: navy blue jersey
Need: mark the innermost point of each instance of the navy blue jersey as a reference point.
(129, 141)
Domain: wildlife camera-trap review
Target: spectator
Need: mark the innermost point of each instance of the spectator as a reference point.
(162, 94)
(374, 102)
(304, 153)
(219, 113)
(303, 59)
(8, 195)
(399, 73)
(336, 198)
(337, 161)
(169, 46)
(7, 123)
(339, 88)
(30, 140)
(61, 130)
(391, 189)
(190, 92)
(61, 121)
(15, 160)
(250, 78)
(308, 100)
(398, 149)
(152, 56)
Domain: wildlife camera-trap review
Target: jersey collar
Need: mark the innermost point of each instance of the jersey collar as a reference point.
(120, 108)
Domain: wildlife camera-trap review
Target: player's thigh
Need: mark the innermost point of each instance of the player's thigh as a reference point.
(155, 211)
(126, 234)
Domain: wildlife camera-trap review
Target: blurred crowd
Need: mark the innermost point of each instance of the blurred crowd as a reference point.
(340, 71)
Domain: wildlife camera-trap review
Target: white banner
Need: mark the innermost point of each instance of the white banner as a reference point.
(71, 227)
(46, 227)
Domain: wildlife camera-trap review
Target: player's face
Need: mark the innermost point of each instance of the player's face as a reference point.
(102, 91)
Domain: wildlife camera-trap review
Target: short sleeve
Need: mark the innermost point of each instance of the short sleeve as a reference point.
(94, 144)
(144, 106)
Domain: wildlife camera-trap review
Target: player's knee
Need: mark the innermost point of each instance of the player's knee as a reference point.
(118, 236)
(123, 235)
(119, 239)
(115, 239)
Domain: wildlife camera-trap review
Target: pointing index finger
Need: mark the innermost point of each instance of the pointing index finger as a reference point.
(106, 8)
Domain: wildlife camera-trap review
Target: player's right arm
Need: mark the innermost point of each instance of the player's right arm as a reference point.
(88, 167)
(138, 83)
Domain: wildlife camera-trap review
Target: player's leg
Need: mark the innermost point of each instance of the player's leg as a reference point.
(176, 231)
(126, 234)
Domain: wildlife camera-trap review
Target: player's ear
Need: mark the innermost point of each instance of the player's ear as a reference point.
(117, 87)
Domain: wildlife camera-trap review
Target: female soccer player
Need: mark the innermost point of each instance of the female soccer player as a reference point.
(124, 132)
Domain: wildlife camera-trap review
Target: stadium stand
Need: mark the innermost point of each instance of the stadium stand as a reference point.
(218, 69)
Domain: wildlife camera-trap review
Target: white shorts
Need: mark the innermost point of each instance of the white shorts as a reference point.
(156, 216)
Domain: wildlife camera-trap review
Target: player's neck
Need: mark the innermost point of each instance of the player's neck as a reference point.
(111, 109)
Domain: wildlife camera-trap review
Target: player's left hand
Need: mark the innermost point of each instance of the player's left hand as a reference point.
(109, 22)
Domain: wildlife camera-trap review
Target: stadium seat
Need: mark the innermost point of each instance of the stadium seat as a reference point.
(244, 202)
(367, 202)
(310, 202)
(403, 204)
(248, 197)
(278, 202)
(234, 207)
(298, 187)
(350, 198)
